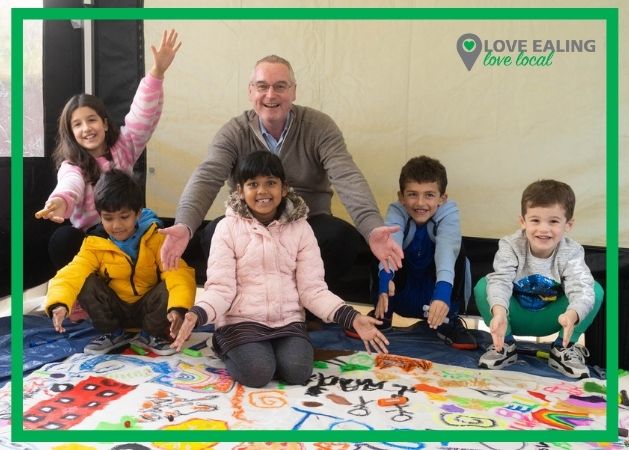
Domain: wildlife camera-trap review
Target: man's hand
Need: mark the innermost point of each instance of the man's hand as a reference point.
(498, 326)
(189, 322)
(437, 313)
(567, 321)
(383, 301)
(385, 248)
(365, 326)
(58, 314)
(177, 238)
(175, 320)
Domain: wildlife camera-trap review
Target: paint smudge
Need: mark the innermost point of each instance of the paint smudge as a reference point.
(192, 424)
(591, 386)
(428, 388)
(338, 399)
(452, 408)
(564, 420)
(538, 395)
(70, 408)
(312, 404)
(270, 446)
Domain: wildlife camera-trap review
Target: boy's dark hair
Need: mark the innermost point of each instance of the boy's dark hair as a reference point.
(548, 193)
(116, 190)
(423, 169)
(261, 162)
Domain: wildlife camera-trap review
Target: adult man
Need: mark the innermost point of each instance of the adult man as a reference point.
(314, 155)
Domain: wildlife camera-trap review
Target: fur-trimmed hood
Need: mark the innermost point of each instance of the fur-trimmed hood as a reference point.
(294, 207)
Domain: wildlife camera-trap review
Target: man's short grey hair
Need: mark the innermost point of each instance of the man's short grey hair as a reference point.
(274, 59)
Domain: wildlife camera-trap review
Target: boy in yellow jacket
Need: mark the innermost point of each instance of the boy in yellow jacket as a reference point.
(117, 275)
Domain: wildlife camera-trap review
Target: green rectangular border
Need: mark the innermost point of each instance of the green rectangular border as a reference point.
(608, 15)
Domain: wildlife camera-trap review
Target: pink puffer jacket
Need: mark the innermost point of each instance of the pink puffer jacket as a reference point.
(264, 274)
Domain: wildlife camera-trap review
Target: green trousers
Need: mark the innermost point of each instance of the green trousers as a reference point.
(543, 322)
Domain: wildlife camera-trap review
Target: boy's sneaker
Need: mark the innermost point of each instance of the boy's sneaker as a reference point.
(493, 359)
(569, 361)
(386, 325)
(155, 344)
(456, 334)
(107, 342)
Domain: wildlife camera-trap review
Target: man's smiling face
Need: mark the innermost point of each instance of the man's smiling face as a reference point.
(272, 106)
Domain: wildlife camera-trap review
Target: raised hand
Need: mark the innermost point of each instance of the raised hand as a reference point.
(54, 209)
(177, 238)
(385, 248)
(365, 326)
(189, 322)
(165, 54)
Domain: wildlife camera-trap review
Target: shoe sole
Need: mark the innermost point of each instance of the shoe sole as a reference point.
(507, 362)
(554, 364)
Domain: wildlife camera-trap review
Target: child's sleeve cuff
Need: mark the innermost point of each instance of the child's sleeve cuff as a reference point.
(443, 292)
(383, 281)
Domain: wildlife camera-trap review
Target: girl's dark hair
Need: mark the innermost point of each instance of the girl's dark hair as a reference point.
(116, 190)
(67, 149)
(261, 162)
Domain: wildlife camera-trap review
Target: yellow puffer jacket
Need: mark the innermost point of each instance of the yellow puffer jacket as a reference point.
(130, 281)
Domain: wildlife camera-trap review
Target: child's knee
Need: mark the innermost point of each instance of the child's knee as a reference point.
(296, 372)
(255, 376)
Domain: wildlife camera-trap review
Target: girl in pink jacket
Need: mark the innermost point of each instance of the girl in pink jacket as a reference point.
(264, 268)
(89, 143)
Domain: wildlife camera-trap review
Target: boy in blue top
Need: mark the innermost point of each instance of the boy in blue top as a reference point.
(431, 281)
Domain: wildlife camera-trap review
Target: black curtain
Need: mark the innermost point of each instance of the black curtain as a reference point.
(118, 67)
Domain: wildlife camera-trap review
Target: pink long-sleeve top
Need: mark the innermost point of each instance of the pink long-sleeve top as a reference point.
(139, 124)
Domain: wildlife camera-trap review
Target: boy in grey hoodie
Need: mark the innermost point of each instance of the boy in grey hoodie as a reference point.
(540, 284)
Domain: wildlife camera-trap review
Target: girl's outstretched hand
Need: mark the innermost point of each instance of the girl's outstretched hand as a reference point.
(189, 322)
(165, 54)
(54, 210)
(365, 326)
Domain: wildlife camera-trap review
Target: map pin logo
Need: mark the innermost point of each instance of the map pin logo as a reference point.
(469, 47)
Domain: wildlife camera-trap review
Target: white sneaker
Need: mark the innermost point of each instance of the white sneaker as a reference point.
(569, 361)
(493, 359)
(107, 342)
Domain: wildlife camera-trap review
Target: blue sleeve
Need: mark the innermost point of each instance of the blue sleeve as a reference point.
(383, 281)
(447, 241)
(443, 292)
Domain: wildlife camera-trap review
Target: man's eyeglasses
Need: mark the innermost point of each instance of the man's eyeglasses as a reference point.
(280, 87)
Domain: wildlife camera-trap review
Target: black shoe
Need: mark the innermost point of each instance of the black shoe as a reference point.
(456, 334)
(386, 325)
